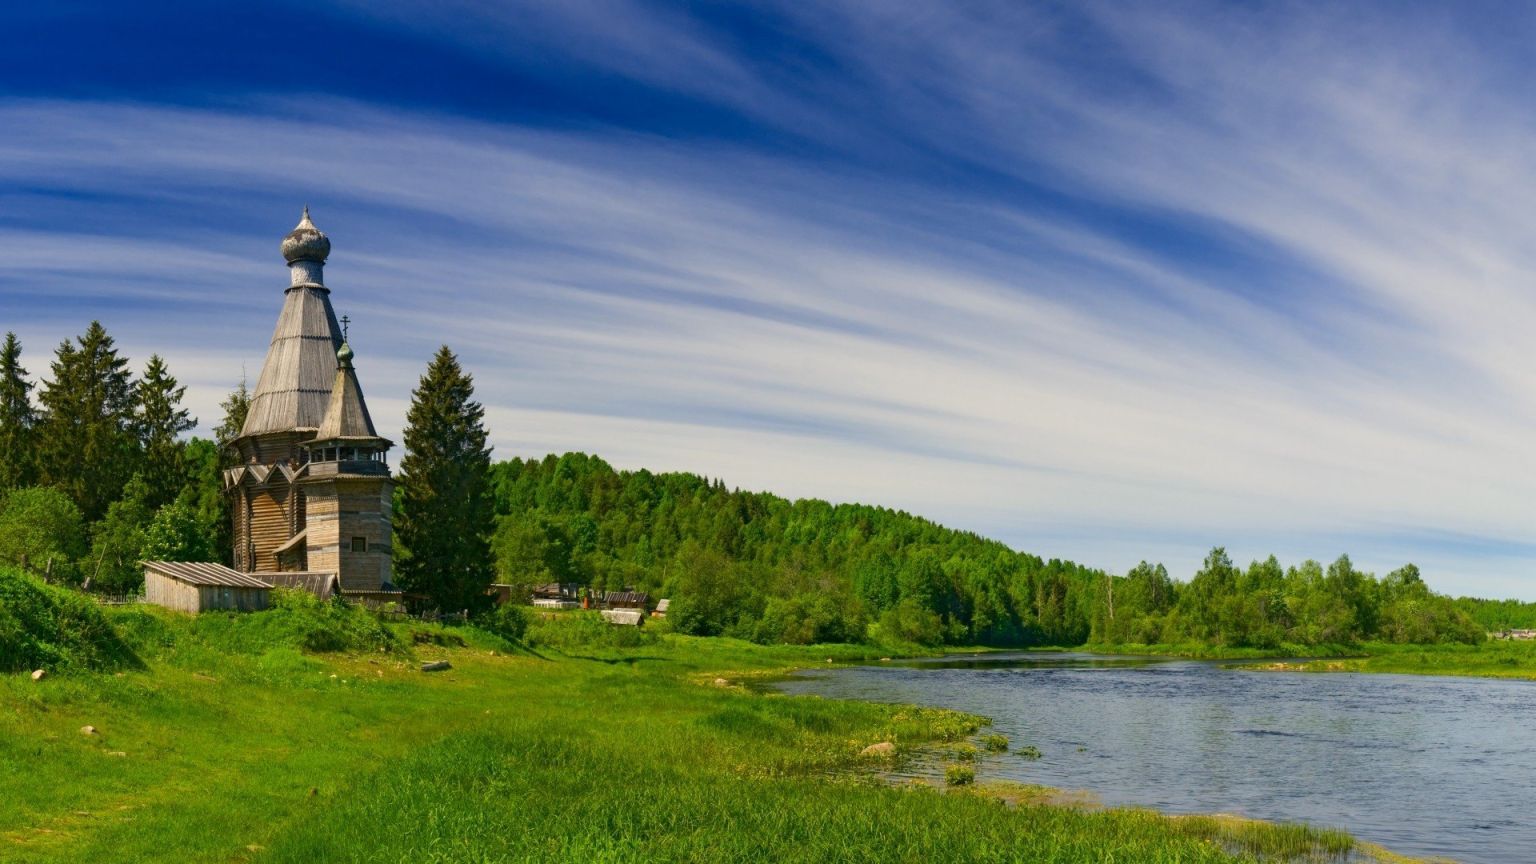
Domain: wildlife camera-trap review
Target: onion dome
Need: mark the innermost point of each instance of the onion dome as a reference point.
(344, 355)
(306, 242)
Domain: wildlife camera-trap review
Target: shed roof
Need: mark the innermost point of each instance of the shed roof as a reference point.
(322, 584)
(636, 598)
(293, 542)
(204, 573)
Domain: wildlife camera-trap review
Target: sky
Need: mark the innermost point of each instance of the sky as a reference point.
(1104, 281)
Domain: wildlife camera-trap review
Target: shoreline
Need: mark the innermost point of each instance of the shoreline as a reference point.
(513, 753)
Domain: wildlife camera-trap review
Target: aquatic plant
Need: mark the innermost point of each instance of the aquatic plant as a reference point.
(959, 775)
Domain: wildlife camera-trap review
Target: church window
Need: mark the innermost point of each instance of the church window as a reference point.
(359, 544)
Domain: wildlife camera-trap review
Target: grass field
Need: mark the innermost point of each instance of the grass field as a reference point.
(232, 743)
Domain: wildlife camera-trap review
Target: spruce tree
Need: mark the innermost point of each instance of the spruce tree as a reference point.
(87, 441)
(236, 405)
(447, 512)
(17, 419)
(161, 419)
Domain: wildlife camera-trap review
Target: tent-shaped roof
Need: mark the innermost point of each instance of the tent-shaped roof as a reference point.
(295, 380)
(346, 414)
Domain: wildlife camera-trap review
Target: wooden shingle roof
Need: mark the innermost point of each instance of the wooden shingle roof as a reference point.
(203, 573)
(296, 379)
(346, 414)
(322, 584)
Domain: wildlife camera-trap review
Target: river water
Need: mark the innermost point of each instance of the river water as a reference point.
(1426, 766)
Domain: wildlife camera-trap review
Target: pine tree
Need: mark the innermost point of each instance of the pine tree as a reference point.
(160, 420)
(235, 408)
(447, 513)
(87, 441)
(17, 418)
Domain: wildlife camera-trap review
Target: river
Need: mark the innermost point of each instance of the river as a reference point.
(1426, 766)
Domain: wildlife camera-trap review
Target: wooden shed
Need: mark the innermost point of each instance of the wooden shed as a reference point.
(199, 587)
(322, 585)
(626, 600)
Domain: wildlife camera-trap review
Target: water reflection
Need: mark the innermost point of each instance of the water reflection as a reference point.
(1424, 765)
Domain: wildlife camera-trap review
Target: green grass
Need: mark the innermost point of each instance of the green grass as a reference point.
(597, 753)
(1202, 651)
(50, 628)
(1494, 659)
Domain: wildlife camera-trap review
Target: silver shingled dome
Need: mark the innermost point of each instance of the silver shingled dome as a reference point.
(306, 242)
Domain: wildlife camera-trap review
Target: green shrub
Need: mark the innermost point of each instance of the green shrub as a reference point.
(509, 621)
(40, 524)
(1029, 751)
(808, 619)
(578, 629)
(45, 627)
(297, 619)
(966, 753)
(959, 775)
(994, 743)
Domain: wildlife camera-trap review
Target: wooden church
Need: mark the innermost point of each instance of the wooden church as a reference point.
(312, 493)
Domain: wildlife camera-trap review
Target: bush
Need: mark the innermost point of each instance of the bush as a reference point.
(565, 631)
(808, 619)
(39, 524)
(297, 619)
(44, 627)
(509, 621)
(994, 743)
(177, 533)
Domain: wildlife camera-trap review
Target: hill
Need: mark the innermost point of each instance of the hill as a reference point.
(761, 567)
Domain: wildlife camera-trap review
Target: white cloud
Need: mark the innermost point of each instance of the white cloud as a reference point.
(1048, 379)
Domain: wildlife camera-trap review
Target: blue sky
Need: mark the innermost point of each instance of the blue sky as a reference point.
(1105, 281)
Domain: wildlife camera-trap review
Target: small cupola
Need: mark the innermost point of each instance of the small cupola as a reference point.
(346, 442)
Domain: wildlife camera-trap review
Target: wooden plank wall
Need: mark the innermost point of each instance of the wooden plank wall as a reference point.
(270, 523)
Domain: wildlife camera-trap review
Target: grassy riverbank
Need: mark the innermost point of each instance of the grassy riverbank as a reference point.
(1495, 659)
(233, 744)
(1492, 659)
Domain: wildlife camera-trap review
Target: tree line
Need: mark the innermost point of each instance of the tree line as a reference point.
(757, 566)
(95, 475)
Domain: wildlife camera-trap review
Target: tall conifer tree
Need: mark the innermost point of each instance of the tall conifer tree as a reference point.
(236, 406)
(17, 418)
(161, 419)
(447, 513)
(87, 441)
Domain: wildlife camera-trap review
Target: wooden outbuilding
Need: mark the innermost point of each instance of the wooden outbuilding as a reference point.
(200, 587)
(624, 617)
(322, 585)
(626, 600)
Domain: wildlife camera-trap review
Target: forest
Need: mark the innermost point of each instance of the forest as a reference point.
(760, 567)
(96, 474)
